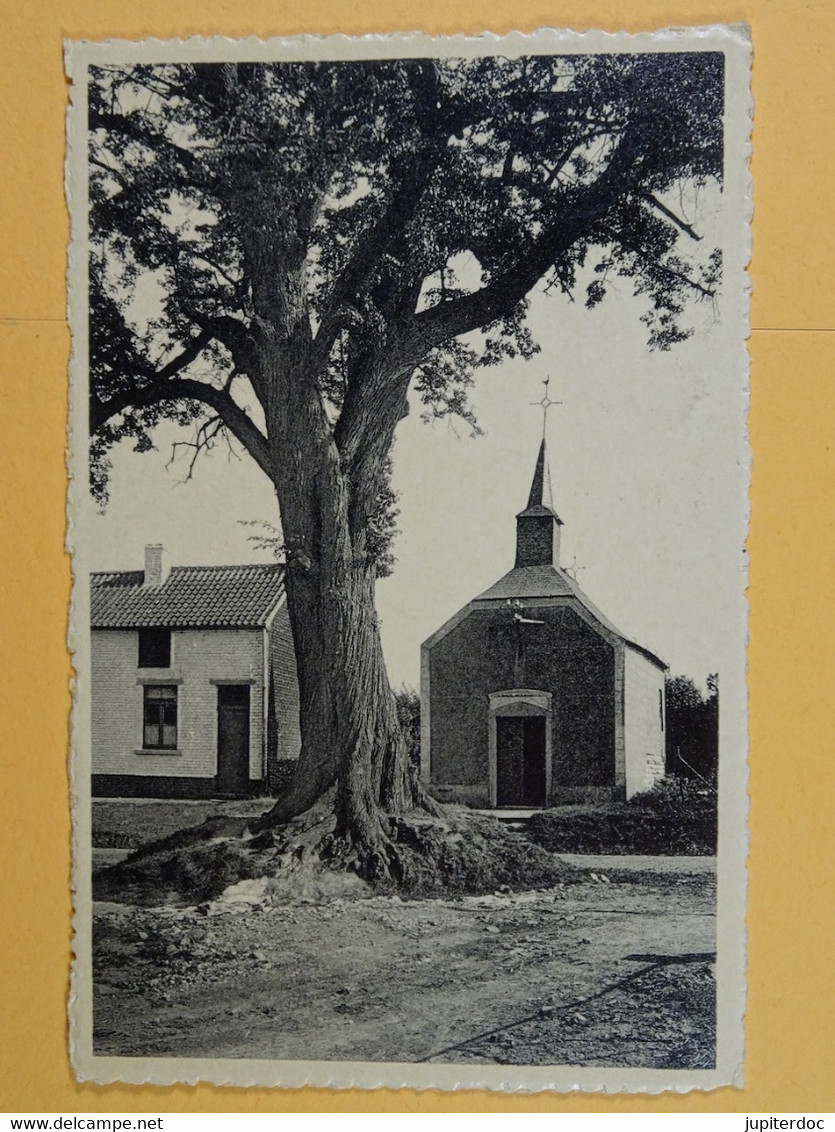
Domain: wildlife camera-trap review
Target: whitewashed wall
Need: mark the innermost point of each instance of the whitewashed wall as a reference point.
(643, 734)
(197, 658)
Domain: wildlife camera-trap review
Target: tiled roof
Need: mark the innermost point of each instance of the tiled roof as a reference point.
(527, 583)
(194, 597)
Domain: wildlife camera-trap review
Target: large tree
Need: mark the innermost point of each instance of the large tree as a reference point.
(273, 256)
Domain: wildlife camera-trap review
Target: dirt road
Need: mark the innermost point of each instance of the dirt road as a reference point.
(592, 973)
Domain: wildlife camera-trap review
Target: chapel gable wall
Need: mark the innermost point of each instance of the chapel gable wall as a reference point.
(564, 656)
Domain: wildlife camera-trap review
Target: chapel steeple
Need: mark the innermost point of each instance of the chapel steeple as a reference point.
(538, 526)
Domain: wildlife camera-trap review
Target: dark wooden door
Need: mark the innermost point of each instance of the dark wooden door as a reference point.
(233, 738)
(520, 760)
(533, 760)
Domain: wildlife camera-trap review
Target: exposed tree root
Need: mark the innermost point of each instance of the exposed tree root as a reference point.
(417, 854)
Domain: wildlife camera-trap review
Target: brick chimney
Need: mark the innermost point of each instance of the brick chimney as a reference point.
(156, 564)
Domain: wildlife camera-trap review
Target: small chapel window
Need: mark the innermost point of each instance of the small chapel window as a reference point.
(661, 706)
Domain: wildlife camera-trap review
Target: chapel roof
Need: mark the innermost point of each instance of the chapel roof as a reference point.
(191, 597)
(537, 575)
(529, 583)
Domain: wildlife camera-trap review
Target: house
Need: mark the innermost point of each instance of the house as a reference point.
(530, 696)
(193, 680)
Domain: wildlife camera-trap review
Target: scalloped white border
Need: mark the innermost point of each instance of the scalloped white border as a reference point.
(735, 42)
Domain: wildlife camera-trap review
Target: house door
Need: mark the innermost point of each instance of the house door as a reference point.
(232, 738)
(520, 760)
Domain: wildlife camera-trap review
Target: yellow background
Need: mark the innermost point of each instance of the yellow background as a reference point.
(791, 1004)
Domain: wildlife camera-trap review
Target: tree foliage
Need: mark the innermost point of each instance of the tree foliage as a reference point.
(375, 216)
(692, 731)
(408, 713)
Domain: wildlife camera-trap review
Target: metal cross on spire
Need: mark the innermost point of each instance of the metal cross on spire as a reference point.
(545, 404)
(573, 569)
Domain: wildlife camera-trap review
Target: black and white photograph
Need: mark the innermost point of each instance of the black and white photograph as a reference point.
(408, 508)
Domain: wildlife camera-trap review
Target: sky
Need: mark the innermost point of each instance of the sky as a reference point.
(649, 469)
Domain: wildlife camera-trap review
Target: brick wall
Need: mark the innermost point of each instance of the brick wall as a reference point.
(197, 658)
(564, 656)
(537, 540)
(643, 734)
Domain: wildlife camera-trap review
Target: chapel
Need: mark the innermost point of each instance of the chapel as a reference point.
(530, 696)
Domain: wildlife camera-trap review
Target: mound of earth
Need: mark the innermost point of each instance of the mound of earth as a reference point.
(458, 852)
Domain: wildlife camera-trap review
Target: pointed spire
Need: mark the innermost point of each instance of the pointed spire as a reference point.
(538, 526)
(540, 494)
(540, 499)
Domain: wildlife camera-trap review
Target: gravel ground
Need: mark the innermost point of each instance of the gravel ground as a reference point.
(601, 972)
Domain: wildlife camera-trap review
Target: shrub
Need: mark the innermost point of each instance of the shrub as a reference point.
(675, 818)
(408, 715)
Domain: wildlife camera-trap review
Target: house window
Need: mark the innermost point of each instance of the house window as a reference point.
(159, 732)
(661, 706)
(154, 648)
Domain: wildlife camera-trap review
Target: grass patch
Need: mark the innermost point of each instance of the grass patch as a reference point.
(132, 823)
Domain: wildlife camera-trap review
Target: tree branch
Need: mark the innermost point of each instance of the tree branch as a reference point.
(229, 331)
(186, 356)
(438, 324)
(581, 213)
(438, 120)
(101, 411)
(205, 439)
(655, 265)
(671, 273)
(239, 423)
(662, 208)
(413, 335)
(235, 284)
(127, 126)
(187, 389)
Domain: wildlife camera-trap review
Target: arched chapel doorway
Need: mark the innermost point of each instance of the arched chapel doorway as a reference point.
(520, 748)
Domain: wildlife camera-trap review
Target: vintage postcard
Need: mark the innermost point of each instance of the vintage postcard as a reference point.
(408, 509)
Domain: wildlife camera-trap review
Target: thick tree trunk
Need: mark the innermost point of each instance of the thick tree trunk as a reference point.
(351, 736)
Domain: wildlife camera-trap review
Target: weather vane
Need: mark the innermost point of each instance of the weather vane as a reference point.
(545, 404)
